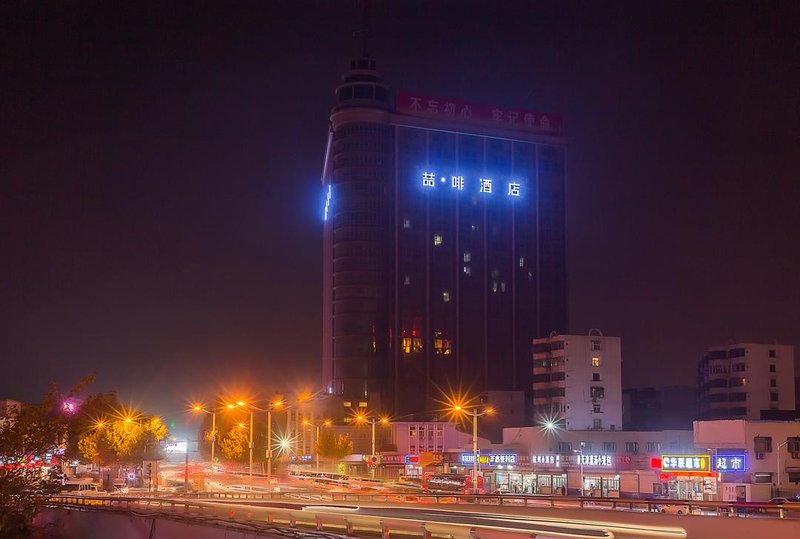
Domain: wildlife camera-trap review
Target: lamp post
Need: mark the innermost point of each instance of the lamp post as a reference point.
(315, 441)
(372, 421)
(778, 470)
(475, 415)
(580, 456)
(198, 408)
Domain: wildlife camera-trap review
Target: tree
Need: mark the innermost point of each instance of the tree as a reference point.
(332, 446)
(235, 443)
(106, 433)
(27, 438)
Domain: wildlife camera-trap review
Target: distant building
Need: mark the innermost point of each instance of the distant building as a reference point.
(665, 408)
(577, 381)
(747, 381)
(509, 411)
(443, 244)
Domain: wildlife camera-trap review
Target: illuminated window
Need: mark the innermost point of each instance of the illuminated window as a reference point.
(597, 392)
(467, 256)
(362, 404)
(446, 296)
(522, 262)
(411, 345)
(467, 271)
(595, 362)
(348, 419)
(494, 286)
(437, 239)
(407, 280)
(442, 346)
(347, 404)
(502, 287)
(406, 223)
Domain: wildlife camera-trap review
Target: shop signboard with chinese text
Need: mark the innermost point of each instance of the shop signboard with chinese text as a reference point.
(685, 463)
(493, 459)
(730, 463)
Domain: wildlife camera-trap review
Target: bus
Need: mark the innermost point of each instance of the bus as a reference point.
(457, 483)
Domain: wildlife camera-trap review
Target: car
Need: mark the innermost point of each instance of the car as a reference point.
(779, 500)
(678, 509)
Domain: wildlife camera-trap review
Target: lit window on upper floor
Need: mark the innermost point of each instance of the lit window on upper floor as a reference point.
(407, 280)
(446, 296)
(437, 239)
(347, 404)
(348, 419)
(502, 287)
(494, 286)
(595, 362)
(474, 228)
(362, 404)
(467, 256)
(522, 262)
(406, 223)
(467, 271)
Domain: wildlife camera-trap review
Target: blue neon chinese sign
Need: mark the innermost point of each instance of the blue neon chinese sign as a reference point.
(730, 463)
(485, 185)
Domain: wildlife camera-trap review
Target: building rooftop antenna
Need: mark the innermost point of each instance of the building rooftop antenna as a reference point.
(363, 31)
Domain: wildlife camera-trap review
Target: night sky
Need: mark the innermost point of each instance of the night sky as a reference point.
(160, 204)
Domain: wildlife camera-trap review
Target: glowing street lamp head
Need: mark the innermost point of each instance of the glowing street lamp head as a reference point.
(284, 444)
(230, 406)
(241, 425)
(457, 408)
(306, 422)
(385, 420)
(197, 408)
(240, 403)
(489, 411)
(128, 420)
(99, 424)
(327, 423)
(277, 403)
(361, 418)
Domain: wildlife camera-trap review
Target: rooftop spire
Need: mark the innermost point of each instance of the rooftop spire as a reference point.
(363, 31)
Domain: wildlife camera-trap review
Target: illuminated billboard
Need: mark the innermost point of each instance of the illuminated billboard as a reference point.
(685, 463)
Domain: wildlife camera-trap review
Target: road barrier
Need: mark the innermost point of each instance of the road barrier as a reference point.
(325, 521)
(641, 504)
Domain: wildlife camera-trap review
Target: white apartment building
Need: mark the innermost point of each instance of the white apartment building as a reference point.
(746, 381)
(577, 381)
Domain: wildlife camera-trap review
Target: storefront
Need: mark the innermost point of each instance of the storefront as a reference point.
(524, 482)
(687, 477)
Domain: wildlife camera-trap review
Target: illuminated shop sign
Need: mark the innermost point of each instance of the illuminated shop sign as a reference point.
(445, 108)
(547, 460)
(328, 196)
(730, 463)
(605, 461)
(484, 185)
(685, 463)
(491, 460)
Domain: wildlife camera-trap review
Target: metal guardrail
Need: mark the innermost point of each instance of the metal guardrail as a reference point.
(648, 504)
(318, 521)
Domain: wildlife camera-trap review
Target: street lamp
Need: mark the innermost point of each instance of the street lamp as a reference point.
(198, 408)
(459, 409)
(316, 424)
(580, 452)
(372, 421)
(268, 410)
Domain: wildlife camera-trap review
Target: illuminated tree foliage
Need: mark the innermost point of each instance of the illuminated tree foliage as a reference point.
(332, 446)
(235, 443)
(26, 438)
(106, 433)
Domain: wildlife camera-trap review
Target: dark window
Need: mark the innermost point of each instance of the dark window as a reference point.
(540, 347)
(632, 447)
(609, 447)
(736, 352)
(362, 92)
(773, 383)
(772, 353)
(564, 447)
(773, 397)
(557, 376)
(558, 345)
(595, 377)
(772, 367)
(762, 444)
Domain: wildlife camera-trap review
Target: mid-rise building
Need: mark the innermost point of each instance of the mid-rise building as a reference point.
(577, 381)
(443, 244)
(746, 381)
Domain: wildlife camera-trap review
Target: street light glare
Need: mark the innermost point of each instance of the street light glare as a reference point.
(385, 420)
(240, 403)
(197, 408)
(231, 406)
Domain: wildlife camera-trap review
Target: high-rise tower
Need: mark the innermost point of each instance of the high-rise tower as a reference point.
(444, 243)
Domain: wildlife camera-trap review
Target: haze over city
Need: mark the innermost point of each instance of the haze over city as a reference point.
(162, 211)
